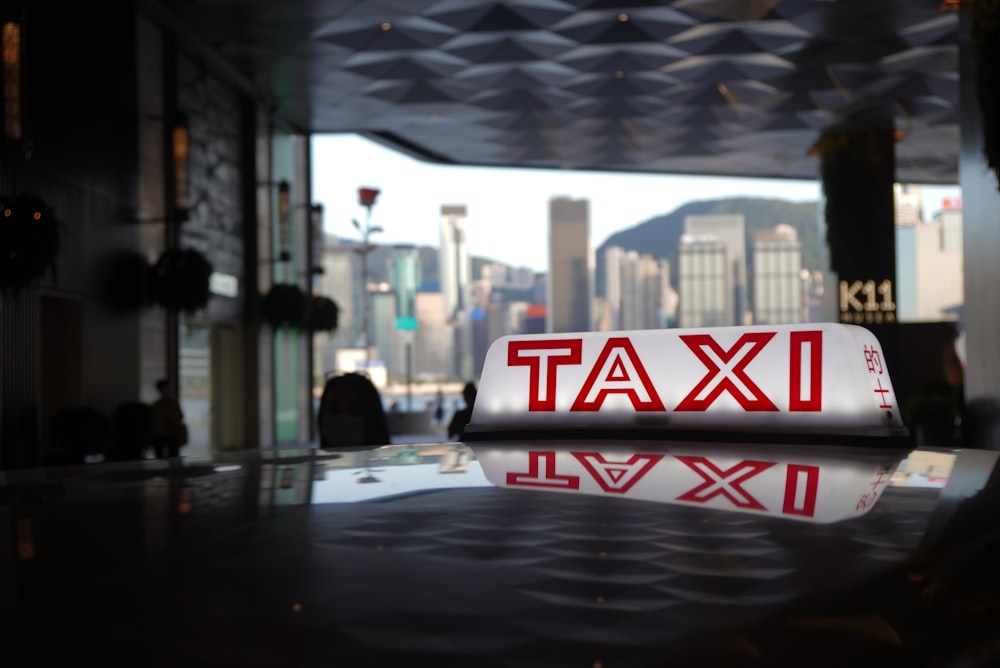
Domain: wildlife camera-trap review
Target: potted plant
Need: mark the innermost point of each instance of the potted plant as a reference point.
(29, 239)
(181, 280)
(322, 314)
(285, 305)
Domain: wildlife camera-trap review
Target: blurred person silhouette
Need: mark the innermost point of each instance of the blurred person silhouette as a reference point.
(456, 428)
(351, 413)
(167, 431)
(439, 409)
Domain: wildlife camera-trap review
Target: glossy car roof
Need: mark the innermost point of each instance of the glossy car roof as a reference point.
(407, 553)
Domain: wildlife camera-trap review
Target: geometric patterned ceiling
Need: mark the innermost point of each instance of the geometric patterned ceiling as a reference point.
(717, 87)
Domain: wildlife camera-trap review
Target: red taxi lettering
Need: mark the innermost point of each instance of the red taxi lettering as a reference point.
(618, 370)
(806, 374)
(801, 483)
(542, 359)
(617, 477)
(726, 483)
(726, 372)
(542, 473)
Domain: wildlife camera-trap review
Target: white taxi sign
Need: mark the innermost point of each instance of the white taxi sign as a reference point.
(809, 485)
(810, 378)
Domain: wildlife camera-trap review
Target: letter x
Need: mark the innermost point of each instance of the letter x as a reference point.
(727, 483)
(726, 372)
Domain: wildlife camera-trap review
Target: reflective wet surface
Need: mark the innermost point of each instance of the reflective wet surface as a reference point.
(409, 553)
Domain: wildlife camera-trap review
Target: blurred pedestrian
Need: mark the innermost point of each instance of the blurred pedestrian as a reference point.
(167, 430)
(456, 428)
(351, 413)
(439, 410)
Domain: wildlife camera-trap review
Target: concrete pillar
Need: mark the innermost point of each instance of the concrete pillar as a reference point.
(981, 225)
(858, 169)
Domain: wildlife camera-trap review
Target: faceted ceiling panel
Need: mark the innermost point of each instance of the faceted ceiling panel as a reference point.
(720, 87)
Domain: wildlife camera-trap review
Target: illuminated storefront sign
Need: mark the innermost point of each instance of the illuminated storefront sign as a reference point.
(867, 302)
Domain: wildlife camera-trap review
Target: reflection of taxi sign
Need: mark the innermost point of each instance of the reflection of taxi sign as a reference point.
(821, 484)
(820, 379)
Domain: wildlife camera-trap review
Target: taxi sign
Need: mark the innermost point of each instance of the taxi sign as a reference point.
(818, 485)
(820, 378)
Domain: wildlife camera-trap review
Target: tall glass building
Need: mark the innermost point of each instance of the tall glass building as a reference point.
(456, 269)
(704, 288)
(730, 230)
(571, 266)
(455, 266)
(777, 277)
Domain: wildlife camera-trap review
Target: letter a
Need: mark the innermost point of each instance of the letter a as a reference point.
(618, 370)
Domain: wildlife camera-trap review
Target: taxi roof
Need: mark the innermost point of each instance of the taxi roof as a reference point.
(265, 559)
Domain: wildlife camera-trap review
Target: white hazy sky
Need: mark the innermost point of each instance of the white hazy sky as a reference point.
(508, 208)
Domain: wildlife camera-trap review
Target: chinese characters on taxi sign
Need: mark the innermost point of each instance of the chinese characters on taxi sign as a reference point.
(873, 359)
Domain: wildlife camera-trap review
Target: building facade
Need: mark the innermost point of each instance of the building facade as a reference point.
(339, 282)
(705, 291)
(730, 229)
(152, 156)
(455, 268)
(929, 268)
(777, 277)
(634, 290)
(571, 266)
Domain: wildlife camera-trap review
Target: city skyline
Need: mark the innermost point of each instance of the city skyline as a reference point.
(508, 208)
(457, 320)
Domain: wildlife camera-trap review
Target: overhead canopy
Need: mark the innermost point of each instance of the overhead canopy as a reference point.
(719, 87)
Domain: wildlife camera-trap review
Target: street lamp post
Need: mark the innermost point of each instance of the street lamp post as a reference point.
(366, 197)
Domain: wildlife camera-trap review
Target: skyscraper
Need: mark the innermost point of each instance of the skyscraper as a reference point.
(571, 266)
(705, 299)
(455, 266)
(614, 258)
(929, 261)
(456, 269)
(339, 283)
(730, 230)
(777, 279)
(404, 277)
(633, 285)
(432, 359)
(385, 339)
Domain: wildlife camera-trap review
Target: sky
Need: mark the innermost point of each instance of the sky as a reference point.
(508, 208)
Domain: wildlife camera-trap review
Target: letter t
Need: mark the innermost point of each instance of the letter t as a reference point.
(542, 357)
